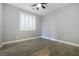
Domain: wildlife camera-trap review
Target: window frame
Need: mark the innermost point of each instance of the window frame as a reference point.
(29, 15)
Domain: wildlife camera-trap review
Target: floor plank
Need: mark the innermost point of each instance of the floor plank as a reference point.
(39, 47)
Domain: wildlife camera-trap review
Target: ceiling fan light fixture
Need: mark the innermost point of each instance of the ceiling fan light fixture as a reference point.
(39, 5)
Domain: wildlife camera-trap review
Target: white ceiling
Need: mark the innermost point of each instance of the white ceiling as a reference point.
(49, 7)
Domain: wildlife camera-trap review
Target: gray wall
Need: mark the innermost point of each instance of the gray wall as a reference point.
(0, 22)
(49, 26)
(63, 24)
(11, 25)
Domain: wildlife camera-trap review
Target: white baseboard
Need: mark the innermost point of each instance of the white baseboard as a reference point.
(65, 42)
(20, 40)
(15, 41)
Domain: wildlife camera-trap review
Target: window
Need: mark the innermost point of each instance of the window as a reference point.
(27, 22)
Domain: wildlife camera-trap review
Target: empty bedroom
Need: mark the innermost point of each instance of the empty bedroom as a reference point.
(39, 29)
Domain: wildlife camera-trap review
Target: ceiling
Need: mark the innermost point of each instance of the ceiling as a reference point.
(49, 7)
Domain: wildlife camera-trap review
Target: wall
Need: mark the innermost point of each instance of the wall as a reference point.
(0, 22)
(49, 26)
(11, 25)
(63, 24)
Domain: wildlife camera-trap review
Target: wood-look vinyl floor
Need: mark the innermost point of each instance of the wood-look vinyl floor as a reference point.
(39, 47)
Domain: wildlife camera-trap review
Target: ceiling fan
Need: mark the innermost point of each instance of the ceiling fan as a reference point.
(39, 5)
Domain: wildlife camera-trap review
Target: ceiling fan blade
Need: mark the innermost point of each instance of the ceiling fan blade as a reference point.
(34, 5)
(43, 7)
(43, 3)
(37, 8)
